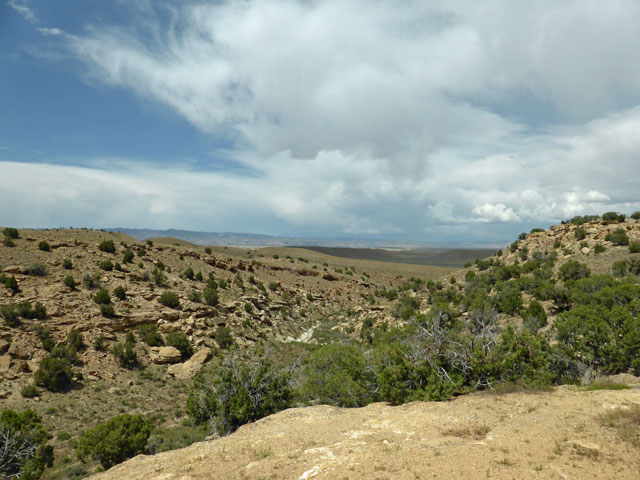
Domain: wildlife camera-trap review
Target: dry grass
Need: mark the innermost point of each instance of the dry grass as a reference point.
(626, 422)
(475, 431)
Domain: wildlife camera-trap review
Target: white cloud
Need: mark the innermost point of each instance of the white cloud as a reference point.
(378, 117)
(22, 7)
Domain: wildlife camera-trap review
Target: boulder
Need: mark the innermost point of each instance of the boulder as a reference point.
(4, 345)
(5, 362)
(162, 355)
(16, 269)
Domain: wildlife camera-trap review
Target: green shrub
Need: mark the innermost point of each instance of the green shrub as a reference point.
(7, 242)
(573, 270)
(509, 301)
(115, 441)
(44, 246)
(634, 247)
(180, 341)
(10, 232)
(207, 250)
(126, 355)
(210, 296)
(189, 273)
(91, 280)
(338, 375)
(635, 215)
(534, 317)
(102, 297)
(106, 265)
(273, 286)
(127, 257)
(54, 374)
(100, 343)
(599, 248)
(150, 335)
(617, 237)
(580, 233)
(107, 246)
(248, 307)
(25, 453)
(12, 284)
(75, 340)
(149, 243)
(159, 278)
(169, 299)
(237, 393)
(199, 277)
(69, 282)
(44, 334)
(67, 264)
(195, 296)
(120, 292)
(223, 337)
(28, 391)
(619, 268)
(613, 217)
(37, 270)
(107, 310)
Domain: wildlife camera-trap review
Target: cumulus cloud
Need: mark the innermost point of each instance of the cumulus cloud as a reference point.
(389, 117)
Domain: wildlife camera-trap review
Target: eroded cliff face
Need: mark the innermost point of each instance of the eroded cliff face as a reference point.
(565, 433)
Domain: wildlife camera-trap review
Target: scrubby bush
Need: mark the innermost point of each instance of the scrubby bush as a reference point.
(573, 270)
(223, 337)
(91, 280)
(107, 246)
(12, 284)
(619, 268)
(634, 247)
(207, 250)
(598, 249)
(613, 217)
(37, 270)
(180, 341)
(127, 257)
(635, 215)
(44, 246)
(338, 375)
(195, 296)
(150, 335)
(67, 264)
(189, 273)
(24, 452)
(106, 265)
(534, 317)
(75, 340)
(28, 391)
(44, 335)
(509, 301)
(617, 237)
(102, 297)
(159, 278)
(580, 233)
(107, 310)
(169, 299)
(100, 343)
(54, 374)
(125, 354)
(120, 292)
(115, 441)
(12, 233)
(238, 392)
(69, 282)
(210, 296)
(199, 277)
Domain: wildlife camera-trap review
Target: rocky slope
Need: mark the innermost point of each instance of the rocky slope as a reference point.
(561, 434)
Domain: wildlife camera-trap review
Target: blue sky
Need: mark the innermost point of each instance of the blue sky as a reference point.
(423, 121)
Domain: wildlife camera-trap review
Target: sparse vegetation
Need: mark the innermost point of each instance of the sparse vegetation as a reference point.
(107, 246)
(44, 246)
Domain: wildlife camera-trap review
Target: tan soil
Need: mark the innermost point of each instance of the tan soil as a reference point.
(556, 434)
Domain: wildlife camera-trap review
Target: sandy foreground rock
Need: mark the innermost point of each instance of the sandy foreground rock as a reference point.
(556, 434)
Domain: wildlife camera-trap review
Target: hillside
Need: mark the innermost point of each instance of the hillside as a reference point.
(369, 331)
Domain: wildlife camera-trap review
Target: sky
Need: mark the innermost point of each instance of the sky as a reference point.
(429, 121)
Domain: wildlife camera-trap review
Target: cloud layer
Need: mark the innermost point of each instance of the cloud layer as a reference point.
(432, 119)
